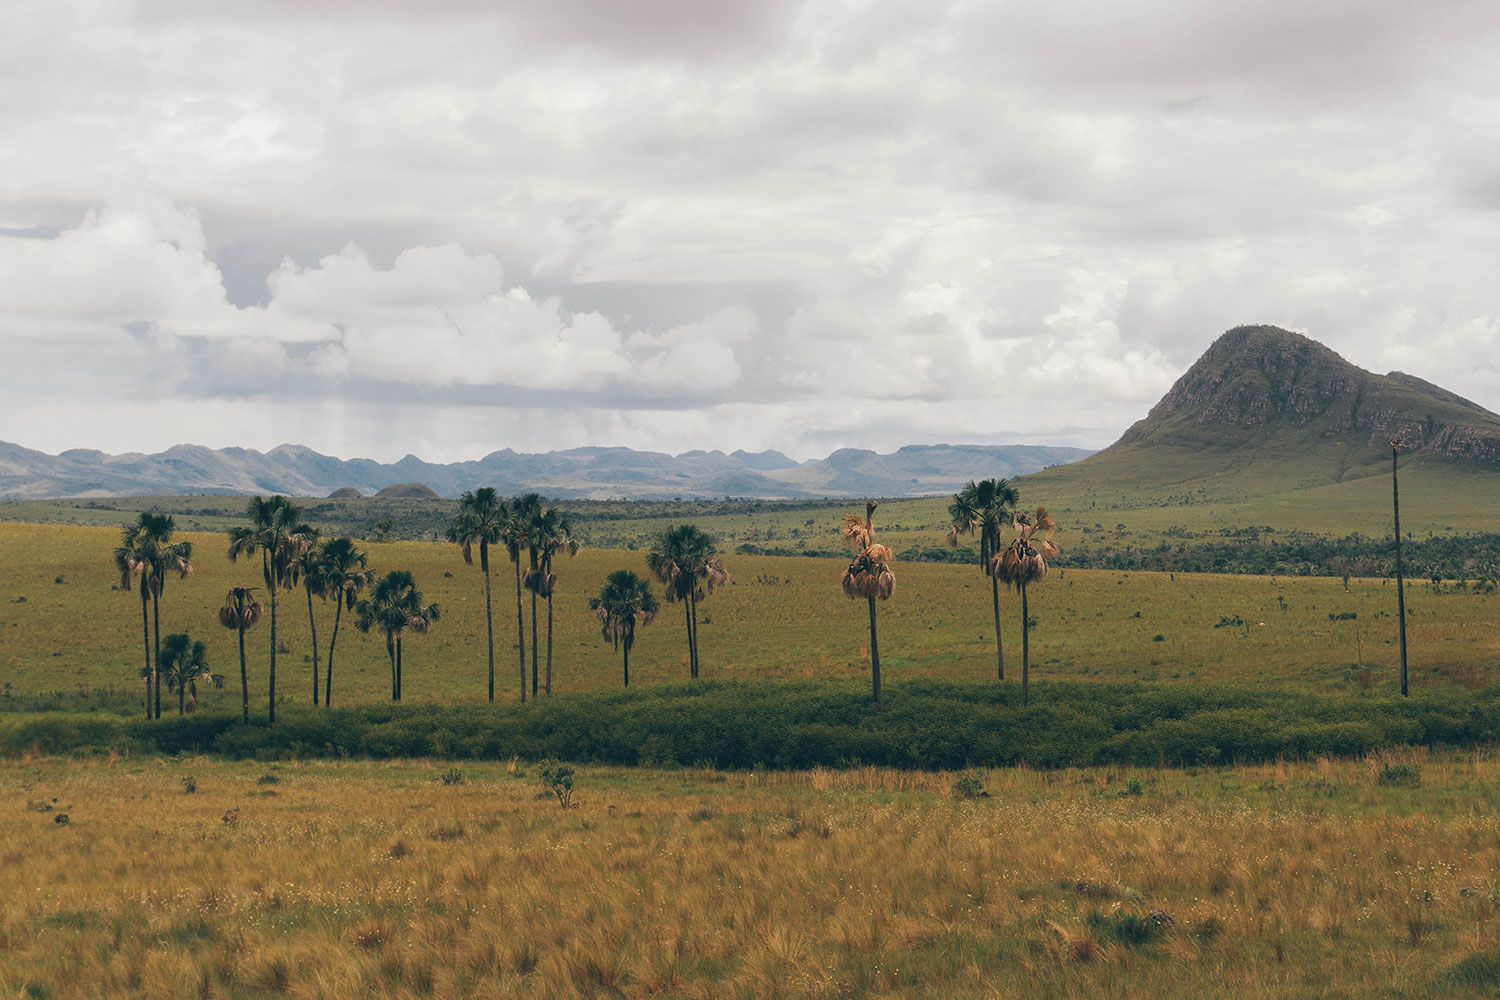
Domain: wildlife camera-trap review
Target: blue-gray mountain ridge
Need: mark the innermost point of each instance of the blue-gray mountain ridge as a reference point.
(592, 473)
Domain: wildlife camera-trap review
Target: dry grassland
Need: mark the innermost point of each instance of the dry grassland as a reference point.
(341, 880)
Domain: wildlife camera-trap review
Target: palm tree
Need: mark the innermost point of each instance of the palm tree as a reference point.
(241, 611)
(685, 561)
(277, 531)
(183, 664)
(146, 550)
(343, 576)
(552, 533)
(481, 521)
(982, 509)
(517, 536)
(1021, 563)
(624, 602)
(308, 568)
(395, 605)
(868, 576)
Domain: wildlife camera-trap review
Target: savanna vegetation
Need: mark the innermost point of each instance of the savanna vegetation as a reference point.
(1370, 877)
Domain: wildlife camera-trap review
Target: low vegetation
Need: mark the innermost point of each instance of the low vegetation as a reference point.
(357, 879)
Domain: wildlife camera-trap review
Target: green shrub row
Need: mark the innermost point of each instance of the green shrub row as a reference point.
(797, 724)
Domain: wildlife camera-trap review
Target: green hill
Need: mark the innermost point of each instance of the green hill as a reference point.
(1272, 428)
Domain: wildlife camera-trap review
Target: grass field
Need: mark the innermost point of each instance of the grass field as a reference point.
(63, 625)
(1371, 878)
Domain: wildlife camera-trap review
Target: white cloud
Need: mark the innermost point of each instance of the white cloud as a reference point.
(797, 224)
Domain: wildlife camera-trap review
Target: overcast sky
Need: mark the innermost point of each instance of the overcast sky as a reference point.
(446, 228)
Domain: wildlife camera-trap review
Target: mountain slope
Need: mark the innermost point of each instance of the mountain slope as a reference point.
(1265, 411)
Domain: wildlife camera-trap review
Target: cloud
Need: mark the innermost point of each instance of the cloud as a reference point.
(795, 224)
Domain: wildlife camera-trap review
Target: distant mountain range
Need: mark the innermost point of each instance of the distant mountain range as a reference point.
(595, 473)
(1265, 410)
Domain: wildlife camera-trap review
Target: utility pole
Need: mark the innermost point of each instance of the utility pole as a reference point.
(1400, 585)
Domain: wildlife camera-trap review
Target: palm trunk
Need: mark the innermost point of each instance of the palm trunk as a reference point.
(549, 644)
(489, 617)
(999, 648)
(694, 604)
(874, 657)
(687, 618)
(272, 679)
(146, 644)
(627, 664)
(312, 623)
(244, 677)
(520, 630)
(1025, 645)
(1400, 585)
(181, 700)
(390, 651)
(338, 610)
(534, 673)
(398, 668)
(156, 641)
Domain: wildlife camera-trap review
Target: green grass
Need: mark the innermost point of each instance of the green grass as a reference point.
(779, 618)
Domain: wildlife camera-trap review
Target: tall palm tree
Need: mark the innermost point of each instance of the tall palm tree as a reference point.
(395, 605)
(517, 537)
(241, 611)
(553, 534)
(277, 532)
(308, 569)
(183, 664)
(869, 576)
(1023, 562)
(481, 521)
(147, 550)
(344, 575)
(982, 509)
(624, 602)
(685, 561)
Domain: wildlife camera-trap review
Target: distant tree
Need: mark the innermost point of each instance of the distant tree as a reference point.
(624, 602)
(395, 605)
(277, 532)
(1023, 562)
(685, 560)
(307, 569)
(343, 576)
(481, 522)
(183, 664)
(982, 509)
(869, 576)
(146, 550)
(552, 534)
(241, 611)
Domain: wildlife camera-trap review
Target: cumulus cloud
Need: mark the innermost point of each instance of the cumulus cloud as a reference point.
(798, 224)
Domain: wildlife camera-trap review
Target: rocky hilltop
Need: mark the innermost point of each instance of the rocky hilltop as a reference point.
(1263, 387)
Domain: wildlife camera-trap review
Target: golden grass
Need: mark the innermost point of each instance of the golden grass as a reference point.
(358, 879)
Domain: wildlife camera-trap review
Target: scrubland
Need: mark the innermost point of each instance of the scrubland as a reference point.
(201, 878)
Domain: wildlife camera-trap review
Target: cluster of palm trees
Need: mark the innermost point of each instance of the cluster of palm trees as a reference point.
(145, 558)
(982, 509)
(684, 559)
(523, 525)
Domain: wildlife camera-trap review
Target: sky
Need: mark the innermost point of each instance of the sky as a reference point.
(378, 228)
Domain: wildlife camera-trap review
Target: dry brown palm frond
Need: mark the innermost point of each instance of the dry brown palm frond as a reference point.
(1044, 520)
(885, 584)
(879, 554)
(855, 531)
